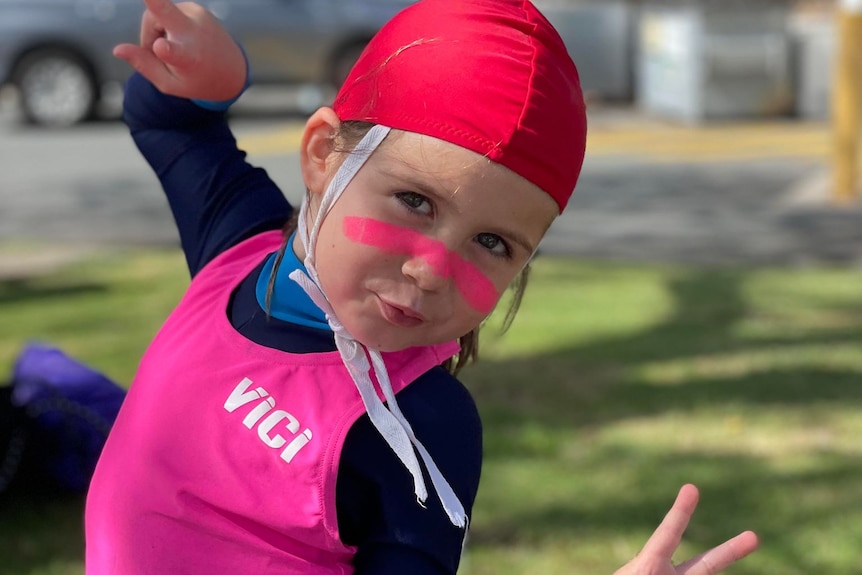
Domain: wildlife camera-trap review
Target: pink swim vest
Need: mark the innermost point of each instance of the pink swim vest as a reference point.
(225, 454)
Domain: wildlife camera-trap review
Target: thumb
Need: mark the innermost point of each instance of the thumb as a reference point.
(173, 54)
(146, 63)
(126, 51)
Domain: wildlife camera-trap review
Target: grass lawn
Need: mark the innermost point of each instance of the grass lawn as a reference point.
(616, 384)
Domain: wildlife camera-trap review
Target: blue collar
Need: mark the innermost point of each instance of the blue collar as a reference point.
(289, 301)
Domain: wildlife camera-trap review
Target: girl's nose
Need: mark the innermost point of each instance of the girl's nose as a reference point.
(430, 273)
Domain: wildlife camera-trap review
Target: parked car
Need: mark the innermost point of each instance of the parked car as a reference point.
(57, 53)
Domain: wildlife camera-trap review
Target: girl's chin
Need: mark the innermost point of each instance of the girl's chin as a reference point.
(385, 347)
(378, 339)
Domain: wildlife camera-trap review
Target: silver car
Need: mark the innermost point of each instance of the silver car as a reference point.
(57, 54)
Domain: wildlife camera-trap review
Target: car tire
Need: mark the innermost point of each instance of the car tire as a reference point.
(56, 88)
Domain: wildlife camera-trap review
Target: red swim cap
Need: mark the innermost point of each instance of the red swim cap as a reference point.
(492, 76)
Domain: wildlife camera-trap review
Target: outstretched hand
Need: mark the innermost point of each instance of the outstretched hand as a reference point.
(656, 556)
(185, 51)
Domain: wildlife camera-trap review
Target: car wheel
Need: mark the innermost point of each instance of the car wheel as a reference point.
(56, 88)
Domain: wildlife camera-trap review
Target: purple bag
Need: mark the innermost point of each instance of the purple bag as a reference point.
(71, 408)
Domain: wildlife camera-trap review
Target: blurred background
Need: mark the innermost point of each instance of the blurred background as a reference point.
(695, 315)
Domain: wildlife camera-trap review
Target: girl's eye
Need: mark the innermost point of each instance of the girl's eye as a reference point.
(415, 202)
(494, 244)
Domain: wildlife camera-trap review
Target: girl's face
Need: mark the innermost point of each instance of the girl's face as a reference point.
(424, 240)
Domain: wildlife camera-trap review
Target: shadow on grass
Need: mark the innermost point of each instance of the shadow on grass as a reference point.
(41, 532)
(586, 385)
(23, 290)
(573, 392)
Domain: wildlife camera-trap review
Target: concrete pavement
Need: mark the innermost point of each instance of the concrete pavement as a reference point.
(651, 190)
(745, 193)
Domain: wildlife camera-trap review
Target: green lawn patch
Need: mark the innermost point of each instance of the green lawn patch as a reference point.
(616, 384)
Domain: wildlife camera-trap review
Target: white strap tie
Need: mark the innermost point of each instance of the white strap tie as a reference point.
(390, 423)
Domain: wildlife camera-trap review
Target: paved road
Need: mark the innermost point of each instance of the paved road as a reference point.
(767, 211)
(89, 185)
(649, 191)
(751, 193)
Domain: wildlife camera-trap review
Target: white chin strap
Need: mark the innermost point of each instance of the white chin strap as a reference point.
(390, 423)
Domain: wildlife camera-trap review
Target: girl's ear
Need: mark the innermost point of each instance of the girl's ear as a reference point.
(315, 152)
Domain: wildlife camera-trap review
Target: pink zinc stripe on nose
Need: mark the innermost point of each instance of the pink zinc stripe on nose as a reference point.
(478, 291)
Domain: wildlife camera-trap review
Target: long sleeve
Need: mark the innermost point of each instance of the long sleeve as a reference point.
(377, 510)
(217, 198)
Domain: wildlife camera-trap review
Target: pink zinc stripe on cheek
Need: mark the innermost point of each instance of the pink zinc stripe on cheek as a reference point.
(478, 291)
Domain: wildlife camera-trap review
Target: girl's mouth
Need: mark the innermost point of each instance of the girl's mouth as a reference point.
(398, 315)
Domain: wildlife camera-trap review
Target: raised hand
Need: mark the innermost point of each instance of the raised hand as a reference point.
(185, 51)
(656, 556)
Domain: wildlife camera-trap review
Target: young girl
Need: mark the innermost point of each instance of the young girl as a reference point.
(297, 412)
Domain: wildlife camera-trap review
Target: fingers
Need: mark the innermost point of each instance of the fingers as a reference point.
(151, 64)
(186, 52)
(167, 14)
(151, 30)
(667, 537)
(173, 54)
(719, 558)
(162, 19)
(145, 62)
(158, 55)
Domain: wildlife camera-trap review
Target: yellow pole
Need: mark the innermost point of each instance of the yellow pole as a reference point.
(847, 101)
